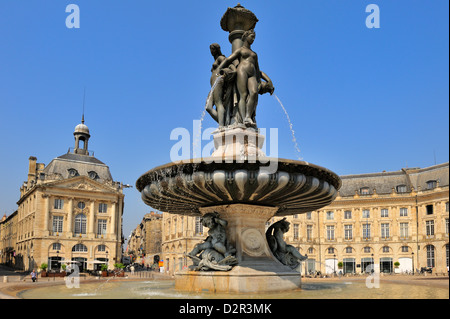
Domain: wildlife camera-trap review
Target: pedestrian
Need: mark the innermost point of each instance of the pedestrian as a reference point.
(33, 275)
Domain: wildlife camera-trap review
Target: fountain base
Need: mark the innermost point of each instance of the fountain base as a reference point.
(258, 271)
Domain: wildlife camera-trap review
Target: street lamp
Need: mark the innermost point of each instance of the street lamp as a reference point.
(334, 264)
(57, 257)
(373, 264)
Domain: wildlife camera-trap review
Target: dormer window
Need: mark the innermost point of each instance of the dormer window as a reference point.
(364, 191)
(401, 188)
(431, 184)
(93, 175)
(73, 172)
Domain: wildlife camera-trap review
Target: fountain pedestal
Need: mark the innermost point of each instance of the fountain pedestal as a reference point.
(237, 144)
(258, 271)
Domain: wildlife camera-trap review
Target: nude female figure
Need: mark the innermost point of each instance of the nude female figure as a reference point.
(222, 113)
(248, 78)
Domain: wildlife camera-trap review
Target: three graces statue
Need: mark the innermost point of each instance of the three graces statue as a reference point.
(236, 82)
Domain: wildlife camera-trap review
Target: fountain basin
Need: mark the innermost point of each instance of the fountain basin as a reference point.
(184, 187)
(246, 194)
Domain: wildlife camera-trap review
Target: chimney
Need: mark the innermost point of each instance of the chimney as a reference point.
(32, 168)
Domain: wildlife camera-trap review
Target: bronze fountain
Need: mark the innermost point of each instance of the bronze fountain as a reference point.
(238, 189)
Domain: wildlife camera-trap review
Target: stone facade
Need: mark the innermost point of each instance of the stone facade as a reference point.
(69, 210)
(379, 218)
(8, 238)
(382, 218)
(180, 234)
(145, 240)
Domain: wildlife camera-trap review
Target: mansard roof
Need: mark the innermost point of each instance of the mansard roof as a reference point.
(384, 182)
(84, 165)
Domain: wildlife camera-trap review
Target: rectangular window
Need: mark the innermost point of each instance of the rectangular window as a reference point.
(59, 203)
(309, 229)
(429, 209)
(348, 250)
(330, 232)
(385, 231)
(404, 230)
(430, 256)
(308, 215)
(403, 212)
(348, 232)
(405, 249)
(384, 212)
(58, 224)
(56, 246)
(430, 227)
(366, 213)
(446, 226)
(331, 250)
(296, 232)
(348, 214)
(80, 224)
(366, 231)
(198, 226)
(101, 229)
(330, 215)
(102, 208)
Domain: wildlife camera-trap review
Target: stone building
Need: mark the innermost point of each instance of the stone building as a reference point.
(8, 237)
(378, 218)
(145, 240)
(180, 234)
(70, 209)
(381, 219)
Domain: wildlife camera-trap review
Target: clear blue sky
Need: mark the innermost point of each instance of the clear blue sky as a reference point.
(361, 100)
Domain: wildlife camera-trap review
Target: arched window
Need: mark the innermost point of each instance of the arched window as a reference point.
(430, 256)
(80, 224)
(79, 248)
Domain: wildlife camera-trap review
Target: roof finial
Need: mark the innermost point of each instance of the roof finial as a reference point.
(84, 96)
